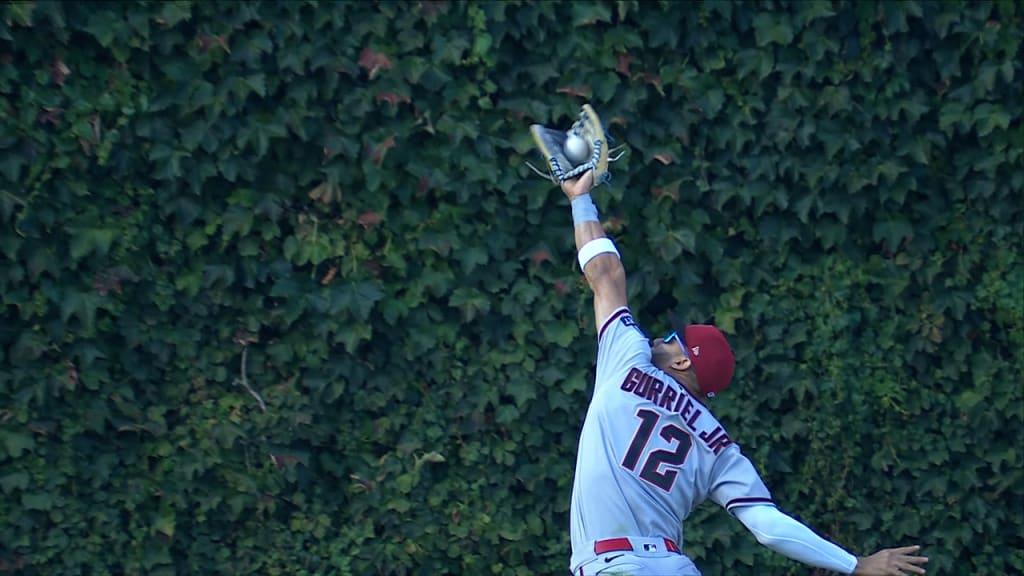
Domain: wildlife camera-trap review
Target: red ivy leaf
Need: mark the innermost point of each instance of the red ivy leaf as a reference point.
(423, 186)
(391, 97)
(613, 225)
(369, 219)
(15, 566)
(283, 459)
(671, 190)
(326, 193)
(374, 62)
(583, 91)
(72, 372)
(106, 282)
(59, 71)
(655, 80)
(380, 151)
(329, 276)
(431, 8)
(561, 287)
(50, 115)
(423, 119)
(207, 41)
(623, 66)
(540, 256)
(660, 193)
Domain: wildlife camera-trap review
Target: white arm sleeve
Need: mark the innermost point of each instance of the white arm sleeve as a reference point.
(788, 537)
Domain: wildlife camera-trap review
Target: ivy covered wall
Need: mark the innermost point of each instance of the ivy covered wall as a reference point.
(278, 294)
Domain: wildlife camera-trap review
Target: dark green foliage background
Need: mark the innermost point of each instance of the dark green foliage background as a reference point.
(328, 203)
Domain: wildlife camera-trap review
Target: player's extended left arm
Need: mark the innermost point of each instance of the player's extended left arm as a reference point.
(787, 536)
(597, 254)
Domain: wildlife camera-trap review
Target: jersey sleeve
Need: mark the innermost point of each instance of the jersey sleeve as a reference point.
(735, 482)
(621, 345)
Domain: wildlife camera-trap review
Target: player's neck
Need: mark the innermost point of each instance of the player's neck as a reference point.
(691, 387)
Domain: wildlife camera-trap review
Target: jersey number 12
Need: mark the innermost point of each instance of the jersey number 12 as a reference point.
(673, 458)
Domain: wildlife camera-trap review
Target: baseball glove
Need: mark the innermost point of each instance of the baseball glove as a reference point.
(570, 154)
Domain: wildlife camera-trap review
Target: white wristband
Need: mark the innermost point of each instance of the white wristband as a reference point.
(593, 248)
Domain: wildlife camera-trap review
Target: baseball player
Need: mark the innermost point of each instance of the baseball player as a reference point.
(650, 450)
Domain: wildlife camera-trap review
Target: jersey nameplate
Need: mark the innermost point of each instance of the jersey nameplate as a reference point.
(645, 386)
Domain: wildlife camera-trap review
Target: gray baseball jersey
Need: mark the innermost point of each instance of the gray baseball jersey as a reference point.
(650, 451)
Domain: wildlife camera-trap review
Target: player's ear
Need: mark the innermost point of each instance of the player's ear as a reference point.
(681, 363)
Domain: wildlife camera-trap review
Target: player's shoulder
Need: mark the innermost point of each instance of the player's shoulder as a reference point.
(620, 319)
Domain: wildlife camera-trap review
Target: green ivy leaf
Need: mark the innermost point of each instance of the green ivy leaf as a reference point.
(257, 83)
(173, 12)
(102, 26)
(772, 28)
(165, 524)
(472, 256)
(364, 296)
(10, 165)
(14, 481)
(237, 221)
(82, 305)
(892, 231)
(37, 501)
(20, 12)
(751, 61)
(16, 443)
(811, 10)
(89, 240)
(586, 13)
(560, 333)
(470, 301)
(989, 117)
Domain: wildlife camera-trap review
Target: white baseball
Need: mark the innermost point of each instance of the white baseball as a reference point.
(576, 149)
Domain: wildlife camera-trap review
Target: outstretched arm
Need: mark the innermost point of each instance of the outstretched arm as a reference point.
(789, 537)
(597, 253)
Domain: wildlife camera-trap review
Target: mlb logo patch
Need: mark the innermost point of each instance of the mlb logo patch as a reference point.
(650, 547)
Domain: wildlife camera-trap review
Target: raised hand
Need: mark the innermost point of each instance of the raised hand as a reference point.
(891, 562)
(578, 186)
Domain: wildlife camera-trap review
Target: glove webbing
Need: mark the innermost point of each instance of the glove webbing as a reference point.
(580, 170)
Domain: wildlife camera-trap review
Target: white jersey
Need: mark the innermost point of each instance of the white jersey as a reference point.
(650, 451)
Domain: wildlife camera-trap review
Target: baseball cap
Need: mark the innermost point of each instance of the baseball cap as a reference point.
(712, 358)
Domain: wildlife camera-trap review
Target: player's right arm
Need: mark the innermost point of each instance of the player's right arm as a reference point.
(597, 253)
(736, 486)
(789, 537)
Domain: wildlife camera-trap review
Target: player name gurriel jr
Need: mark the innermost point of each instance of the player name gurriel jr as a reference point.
(646, 386)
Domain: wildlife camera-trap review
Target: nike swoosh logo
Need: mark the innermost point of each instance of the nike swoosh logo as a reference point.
(610, 558)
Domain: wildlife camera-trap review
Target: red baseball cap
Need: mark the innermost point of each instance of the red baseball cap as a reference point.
(712, 358)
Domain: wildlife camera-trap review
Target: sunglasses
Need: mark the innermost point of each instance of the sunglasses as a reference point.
(676, 336)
